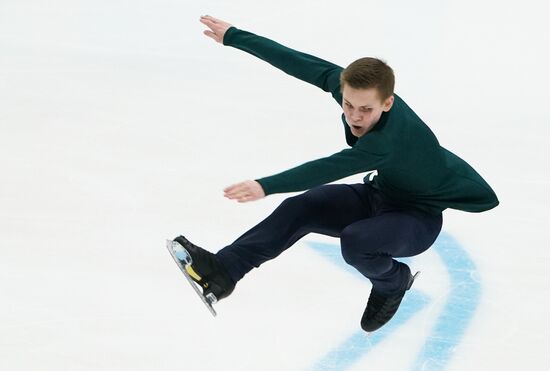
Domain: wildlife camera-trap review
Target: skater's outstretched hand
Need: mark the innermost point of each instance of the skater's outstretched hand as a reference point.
(249, 190)
(217, 27)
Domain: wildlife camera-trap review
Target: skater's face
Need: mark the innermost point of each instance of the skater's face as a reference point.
(363, 108)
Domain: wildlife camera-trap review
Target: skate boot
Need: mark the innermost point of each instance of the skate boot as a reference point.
(205, 269)
(381, 308)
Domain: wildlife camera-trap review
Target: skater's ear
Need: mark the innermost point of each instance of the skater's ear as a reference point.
(388, 103)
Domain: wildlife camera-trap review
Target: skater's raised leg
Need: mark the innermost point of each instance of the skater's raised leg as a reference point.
(326, 210)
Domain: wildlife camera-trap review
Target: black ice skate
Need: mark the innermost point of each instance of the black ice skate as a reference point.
(380, 309)
(203, 268)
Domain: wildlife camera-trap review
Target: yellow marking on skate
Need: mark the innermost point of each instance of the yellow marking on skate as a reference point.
(192, 273)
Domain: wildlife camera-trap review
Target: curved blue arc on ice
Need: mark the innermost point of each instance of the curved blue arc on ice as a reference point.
(449, 327)
(459, 309)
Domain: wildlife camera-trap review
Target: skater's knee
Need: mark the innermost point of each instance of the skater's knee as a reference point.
(305, 202)
(348, 244)
(354, 245)
(294, 204)
(314, 198)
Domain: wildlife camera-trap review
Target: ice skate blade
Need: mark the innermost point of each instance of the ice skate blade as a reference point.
(211, 298)
(413, 278)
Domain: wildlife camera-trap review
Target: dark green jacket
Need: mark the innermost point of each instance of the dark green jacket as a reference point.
(414, 171)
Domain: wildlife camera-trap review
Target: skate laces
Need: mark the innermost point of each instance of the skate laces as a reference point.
(384, 307)
(375, 303)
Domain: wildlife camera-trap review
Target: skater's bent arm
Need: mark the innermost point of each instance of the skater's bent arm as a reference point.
(325, 170)
(308, 68)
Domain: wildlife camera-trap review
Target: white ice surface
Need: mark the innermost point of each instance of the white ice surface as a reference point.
(120, 124)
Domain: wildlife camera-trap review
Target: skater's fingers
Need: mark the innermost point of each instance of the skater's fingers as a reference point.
(246, 198)
(238, 187)
(208, 22)
(235, 193)
(213, 19)
(237, 198)
(211, 23)
(241, 198)
(217, 26)
(207, 17)
(249, 190)
(240, 194)
(232, 188)
(211, 35)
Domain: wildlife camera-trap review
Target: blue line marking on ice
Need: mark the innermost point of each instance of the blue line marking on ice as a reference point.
(359, 344)
(462, 302)
(449, 327)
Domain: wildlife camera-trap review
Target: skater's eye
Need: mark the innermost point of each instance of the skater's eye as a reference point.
(364, 109)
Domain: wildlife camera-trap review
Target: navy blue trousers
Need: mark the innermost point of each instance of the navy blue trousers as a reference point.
(372, 233)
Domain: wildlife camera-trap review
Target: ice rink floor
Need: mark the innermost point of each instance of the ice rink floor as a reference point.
(120, 125)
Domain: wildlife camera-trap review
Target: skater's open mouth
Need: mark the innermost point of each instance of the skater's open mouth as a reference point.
(356, 127)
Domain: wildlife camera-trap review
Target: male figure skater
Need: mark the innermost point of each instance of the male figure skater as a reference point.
(396, 212)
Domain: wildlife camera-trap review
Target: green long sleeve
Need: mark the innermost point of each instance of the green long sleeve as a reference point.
(321, 171)
(316, 71)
